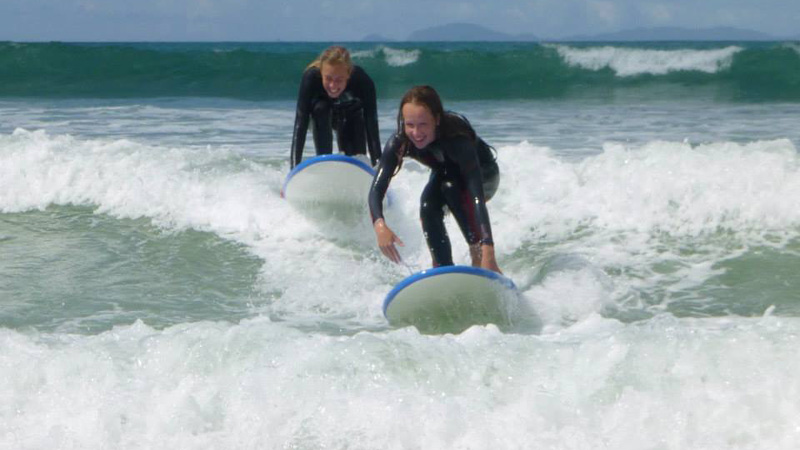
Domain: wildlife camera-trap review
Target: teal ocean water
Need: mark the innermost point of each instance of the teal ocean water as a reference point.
(156, 291)
(267, 71)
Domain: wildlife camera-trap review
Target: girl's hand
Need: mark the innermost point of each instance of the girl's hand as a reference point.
(387, 240)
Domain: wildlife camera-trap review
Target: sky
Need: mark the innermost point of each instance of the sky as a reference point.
(352, 20)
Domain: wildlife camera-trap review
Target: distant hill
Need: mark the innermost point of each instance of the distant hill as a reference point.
(677, 34)
(466, 32)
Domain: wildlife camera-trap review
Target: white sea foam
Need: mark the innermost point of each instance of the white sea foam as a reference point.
(261, 384)
(626, 61)
(208, 190)
(629, 208)
(670, 187)
(794, 46)
(393, 57)
(399, 58)
(576, 234)
(639, 211)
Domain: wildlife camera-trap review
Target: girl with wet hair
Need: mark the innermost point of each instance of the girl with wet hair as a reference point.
(464, 176)
(336, 96)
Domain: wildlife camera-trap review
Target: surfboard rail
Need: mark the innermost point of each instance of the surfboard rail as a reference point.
(450, 299)
(305, 164)
(427, 273)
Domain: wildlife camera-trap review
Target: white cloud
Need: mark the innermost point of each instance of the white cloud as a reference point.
(657, 13)
(353, 19)
(606, 11)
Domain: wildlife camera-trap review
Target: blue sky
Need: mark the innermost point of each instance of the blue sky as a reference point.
(351, 20)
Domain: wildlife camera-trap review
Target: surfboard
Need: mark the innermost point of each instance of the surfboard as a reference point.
(451, 299)
(336, 180)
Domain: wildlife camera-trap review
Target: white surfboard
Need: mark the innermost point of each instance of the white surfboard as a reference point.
(451, 299)
(335, 180)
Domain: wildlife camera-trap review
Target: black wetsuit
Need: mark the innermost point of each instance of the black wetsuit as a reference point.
(354, 116)
(464, 175)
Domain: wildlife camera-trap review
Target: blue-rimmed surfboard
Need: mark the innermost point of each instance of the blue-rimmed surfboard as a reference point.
(451, 299)
(329, 179)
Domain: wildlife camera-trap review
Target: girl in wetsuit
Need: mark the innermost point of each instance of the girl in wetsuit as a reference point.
(464, 175)
(336, 95)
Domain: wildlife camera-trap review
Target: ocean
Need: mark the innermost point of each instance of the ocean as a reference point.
(157, 292)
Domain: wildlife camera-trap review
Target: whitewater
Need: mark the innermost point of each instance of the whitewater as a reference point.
(156, 291)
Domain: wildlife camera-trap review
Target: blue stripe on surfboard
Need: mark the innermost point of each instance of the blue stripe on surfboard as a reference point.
(325, 158)
(441, 271)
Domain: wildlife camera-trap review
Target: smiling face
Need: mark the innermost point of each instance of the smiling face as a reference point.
(419, 124)
(334, 78)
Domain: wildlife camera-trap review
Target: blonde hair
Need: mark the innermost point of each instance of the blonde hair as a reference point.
(334, 55)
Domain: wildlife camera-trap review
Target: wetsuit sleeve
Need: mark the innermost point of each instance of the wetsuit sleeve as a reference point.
(370, 102)
(302, 116)
(464, 152)
(383, 175)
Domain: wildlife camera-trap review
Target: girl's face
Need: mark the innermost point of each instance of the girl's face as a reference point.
(334, 78)
(419, 124)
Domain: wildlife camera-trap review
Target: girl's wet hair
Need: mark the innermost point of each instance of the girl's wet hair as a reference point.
(334, 55)
(450, 124)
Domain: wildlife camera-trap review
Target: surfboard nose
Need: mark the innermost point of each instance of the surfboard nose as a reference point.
(451, 299)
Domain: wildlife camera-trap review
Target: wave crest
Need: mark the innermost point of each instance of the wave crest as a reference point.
(393, 57)
(626, 62)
